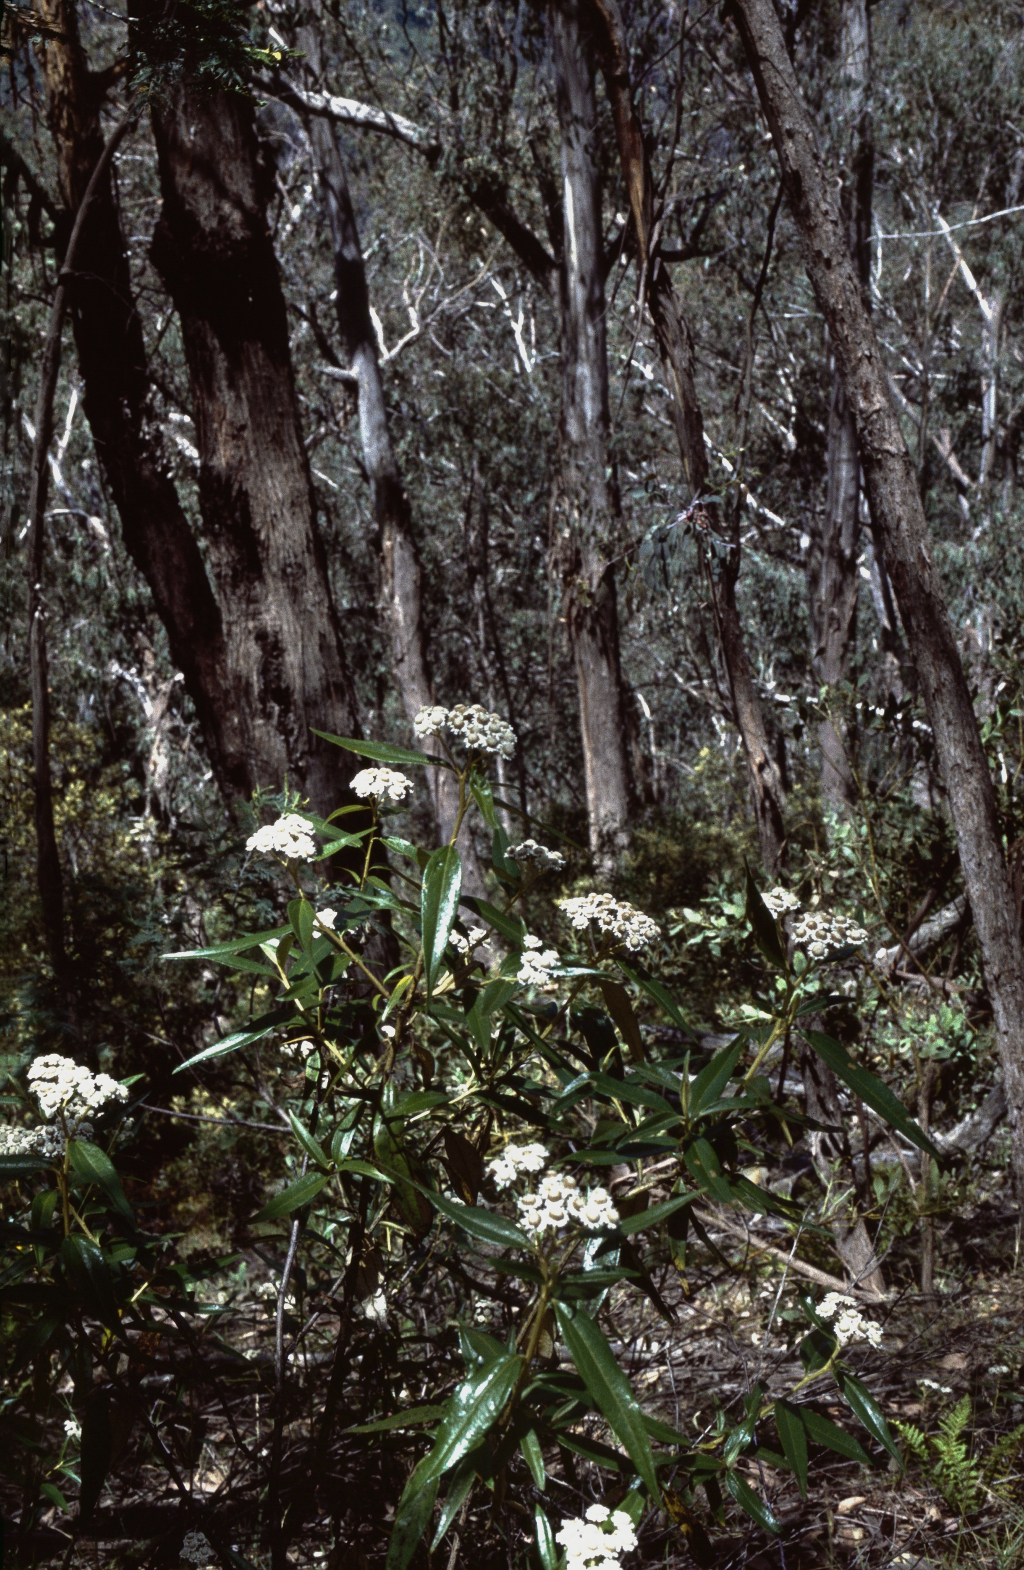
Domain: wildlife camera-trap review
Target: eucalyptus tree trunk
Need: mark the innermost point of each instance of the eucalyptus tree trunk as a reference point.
(111, 351)
(896, 505)
(834, 578)
(401, 571)
(587, 508)
(284, 659)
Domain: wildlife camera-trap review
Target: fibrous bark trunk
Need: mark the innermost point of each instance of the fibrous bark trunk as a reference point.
(284, 659)
(401, 570)
(107, 327)
(587, 509)
(834, 578)
(892, 486)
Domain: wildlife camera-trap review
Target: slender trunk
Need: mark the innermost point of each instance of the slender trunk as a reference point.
(896, 504)
(212, 247)
(675, 343)
(112, 360)
(834, 579)
(587, 508)
(401, 570)
(51, 888)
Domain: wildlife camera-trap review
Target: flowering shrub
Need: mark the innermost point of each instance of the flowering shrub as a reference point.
(460, 1101)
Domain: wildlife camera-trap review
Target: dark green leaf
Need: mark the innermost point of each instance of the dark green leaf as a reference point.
(549, 1555)
(301, 1192)
(713, 1078)
(240, 1038)
(472, 1410)
(313, 1150)
(792, 1433)
(89, 1274)
(822, 1432)
(483, 795)
(484, 1224)
(21, 1165)
(657, 992)
(752, 1503)
(439, 902)
(51, 1492)
(252, 940)
(533, 1455)
(95, 1166)
(657, 1213)
(609, 1389)
(871, 1090)
(705, 1166)
(461, 1483)
(412, 1517)
(629, 1090)
(866, 1408)
(511, 927)
(410, 1418)
(762, 924)
(619, 1005)
(383, 752)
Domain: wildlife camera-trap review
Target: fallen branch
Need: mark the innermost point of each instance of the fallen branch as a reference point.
(712, 1220)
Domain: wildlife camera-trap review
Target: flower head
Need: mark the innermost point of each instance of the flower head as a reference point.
(62, 1087)
(470, 723)
(594, 1542)
(514, 1159)
(289, 837)
(379, 783)
(616, 916)
(327, 917)
(558, 1203)
(847, 1322)
(537, 965)
(823, 934)
(72, 1428)
(197, 1548)
(463, 945)
(530, 854)
(779, 901)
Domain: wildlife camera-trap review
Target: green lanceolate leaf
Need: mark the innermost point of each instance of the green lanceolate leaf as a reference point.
(472, 1410)
(713, 1078)
(484, 1224)
(705, 1166)
(382, 752)
(609, 1389)
(412, 1517)
(533, 1455)
(752, 1503)
(302, 1192)
(549, 1556)
(762, 924)
(483, 795)
(619, 1005)
(439, 902)
(252, 940)
(793, 1435)
(312, 1149)
(657, 1213)
(866, 1408)
(410, 1418)
(21, 1165)
(89, 1275)
(461, 1483)
(95, 1166)
(820, 1431)
(871, 1090)
(240, 1038)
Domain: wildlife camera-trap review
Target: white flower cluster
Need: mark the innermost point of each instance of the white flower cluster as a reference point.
(617, 916)
(289, 837)
(461, 944)
(594, 1542)
(559, 1203)
(822, 934)
(470, 723)
(62, 1087)
(72, 1428)
(48, 1142)
(327, 918)
(537, 964)
(533, 855)
(848, 1323)
(197, 1548)
(379, 783)
(779, 901)
(514, 1159)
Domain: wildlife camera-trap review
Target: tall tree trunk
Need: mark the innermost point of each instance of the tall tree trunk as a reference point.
(285, 664)
(896, 503)
(834, 578)
(401, 571)
(587, 509)
(675, 344)
(112, 360)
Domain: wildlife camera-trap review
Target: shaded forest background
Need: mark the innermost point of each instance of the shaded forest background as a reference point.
(368, 400)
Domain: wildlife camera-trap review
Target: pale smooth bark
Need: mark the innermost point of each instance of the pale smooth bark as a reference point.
(587, 508)
(896, 506)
